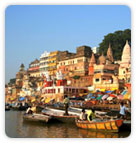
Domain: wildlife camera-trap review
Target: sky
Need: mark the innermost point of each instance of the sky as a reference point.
(32, 29)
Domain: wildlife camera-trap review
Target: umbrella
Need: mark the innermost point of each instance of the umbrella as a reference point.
(120, 97)
(47, 100)
(99, 98)
(33, 100)
(21, 98)
(105, 96)
(99, 95)
(113, 95)
(109, 98)
(93, 97)
(89, 95)
(127, 96)
(103, 90)
(108, 91)
(124, 92)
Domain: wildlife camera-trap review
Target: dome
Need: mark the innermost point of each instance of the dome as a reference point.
(126, 55)
(102, 59)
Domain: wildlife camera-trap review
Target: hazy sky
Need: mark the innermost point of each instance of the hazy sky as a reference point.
(30, 30)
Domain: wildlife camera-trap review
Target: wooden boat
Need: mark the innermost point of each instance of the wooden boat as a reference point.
(59, 115)
(65, 118)
(106, 126)
(36, 118)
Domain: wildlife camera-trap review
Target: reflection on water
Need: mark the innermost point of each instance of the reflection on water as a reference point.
(15, 127)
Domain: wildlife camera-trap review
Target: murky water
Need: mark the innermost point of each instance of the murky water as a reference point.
(15, 127)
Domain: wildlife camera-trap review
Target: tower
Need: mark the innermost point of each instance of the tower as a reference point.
(126, 56)
(110, 54)
(91, 64)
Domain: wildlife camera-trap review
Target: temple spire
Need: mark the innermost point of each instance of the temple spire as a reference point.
(126, 55)
(110, 54)
(92, 61)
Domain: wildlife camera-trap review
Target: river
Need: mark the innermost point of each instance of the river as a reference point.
(15, 127)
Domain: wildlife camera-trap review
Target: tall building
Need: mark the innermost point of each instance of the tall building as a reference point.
(125, 64)
(53, 59)
(76, 64)
(95, 50)
(33, 69)
(19, 76)
(44, 63)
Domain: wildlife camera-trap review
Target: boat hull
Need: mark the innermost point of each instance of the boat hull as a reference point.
(36, 118)
(65, 119)
(106, 126)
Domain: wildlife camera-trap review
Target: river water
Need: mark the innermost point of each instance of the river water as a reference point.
(15, 127)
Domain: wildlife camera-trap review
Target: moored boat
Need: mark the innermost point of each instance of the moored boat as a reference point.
(106, 126)
(59, 115)
(36, 118)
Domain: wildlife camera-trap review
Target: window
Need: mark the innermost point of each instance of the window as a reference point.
(58, 90)
(97, 79)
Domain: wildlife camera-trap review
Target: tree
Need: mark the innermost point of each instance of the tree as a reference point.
(117, 41)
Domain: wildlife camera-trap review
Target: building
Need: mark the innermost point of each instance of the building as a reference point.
(125, 64)
(61, 88)
(106, 72)
(53, 59)
(95, 50)
(33, 69)
(44, 63)
(19, 76)
(75, 64)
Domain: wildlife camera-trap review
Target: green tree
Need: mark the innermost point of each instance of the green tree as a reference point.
(117, 41)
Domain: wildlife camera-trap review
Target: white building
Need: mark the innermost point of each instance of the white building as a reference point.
(44, 63)
(95, 50)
